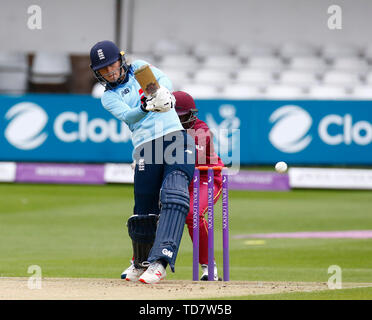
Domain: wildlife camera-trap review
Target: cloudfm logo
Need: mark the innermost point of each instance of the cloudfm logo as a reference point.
(19, 132)
(290, 131)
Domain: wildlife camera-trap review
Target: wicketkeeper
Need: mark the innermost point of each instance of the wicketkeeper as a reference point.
(205, 156)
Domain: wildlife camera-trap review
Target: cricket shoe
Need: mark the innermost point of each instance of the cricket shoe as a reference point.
(204, 276)
(132, 273)
(124, 273)
(154, 273)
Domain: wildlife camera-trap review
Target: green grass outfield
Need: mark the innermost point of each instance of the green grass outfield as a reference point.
(80, 231)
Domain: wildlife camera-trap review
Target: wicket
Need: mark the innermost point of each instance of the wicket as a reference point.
(225, 222)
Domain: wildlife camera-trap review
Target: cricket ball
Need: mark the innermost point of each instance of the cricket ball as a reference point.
(281, 167)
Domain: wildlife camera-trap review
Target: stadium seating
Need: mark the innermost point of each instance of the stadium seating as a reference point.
(328, 92)
(292, 49)
(212, 76)
(50, 68)
(179, 77)
(284, 92)
(337, 50)
(311, 63)
(368, 78)
(223, 62)
(178, 61)
(298, 78)
(274, 64)
(245, 50)
(13, 72)
(341, 78)
(13, 82)
(350, 64)
(202, 91)
(165, 46)
(248, 70)
(254, 70)
(241, 91)
(362, 93)
(148, 57)
(254, 77)
(205, 49)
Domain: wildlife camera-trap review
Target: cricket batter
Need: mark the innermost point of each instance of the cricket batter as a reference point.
(165, 161)
(206, 156)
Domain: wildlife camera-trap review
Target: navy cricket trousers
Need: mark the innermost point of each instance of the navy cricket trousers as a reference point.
(154, 160)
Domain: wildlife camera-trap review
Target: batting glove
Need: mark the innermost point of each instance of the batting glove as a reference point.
(162, 102)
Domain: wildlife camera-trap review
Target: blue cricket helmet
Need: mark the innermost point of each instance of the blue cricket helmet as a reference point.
(103, 54)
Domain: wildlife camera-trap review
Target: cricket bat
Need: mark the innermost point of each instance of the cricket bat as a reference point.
(147, 80)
